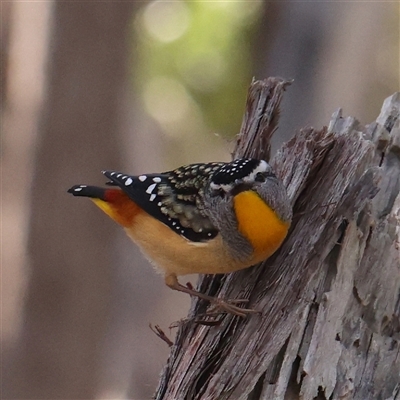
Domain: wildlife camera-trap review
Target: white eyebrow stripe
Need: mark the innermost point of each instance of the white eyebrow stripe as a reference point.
(262, 167)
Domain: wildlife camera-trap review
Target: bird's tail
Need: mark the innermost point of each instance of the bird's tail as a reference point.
(114, 202)
(94, 192)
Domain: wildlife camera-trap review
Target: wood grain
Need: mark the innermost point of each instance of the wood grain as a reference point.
(330, 296)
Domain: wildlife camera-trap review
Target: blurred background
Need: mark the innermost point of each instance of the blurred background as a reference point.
(142, 87)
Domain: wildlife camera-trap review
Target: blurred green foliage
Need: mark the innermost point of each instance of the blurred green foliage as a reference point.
(194, 63)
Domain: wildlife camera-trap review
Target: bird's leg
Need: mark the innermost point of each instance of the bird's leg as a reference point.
(227, 305)
(160, 333)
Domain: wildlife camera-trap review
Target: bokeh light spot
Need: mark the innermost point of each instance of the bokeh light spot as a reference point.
(166, 21)
(166, 100)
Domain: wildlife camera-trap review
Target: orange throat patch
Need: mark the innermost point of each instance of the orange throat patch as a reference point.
(259, 224)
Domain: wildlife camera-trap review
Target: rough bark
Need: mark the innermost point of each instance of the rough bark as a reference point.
(330, 297)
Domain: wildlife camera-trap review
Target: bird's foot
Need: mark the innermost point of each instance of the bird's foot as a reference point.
(229, 306)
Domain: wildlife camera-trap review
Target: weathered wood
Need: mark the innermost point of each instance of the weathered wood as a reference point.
(260, 118)
(330, 297)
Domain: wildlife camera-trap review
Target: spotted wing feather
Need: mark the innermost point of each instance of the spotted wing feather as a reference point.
(173, 197)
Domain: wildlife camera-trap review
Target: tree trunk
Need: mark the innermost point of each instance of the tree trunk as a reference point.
(66, 313)
(330, 297)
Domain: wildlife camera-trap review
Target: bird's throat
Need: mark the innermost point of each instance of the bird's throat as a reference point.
(259, 224)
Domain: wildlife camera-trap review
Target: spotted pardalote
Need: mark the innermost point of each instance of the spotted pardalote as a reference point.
(211, 218)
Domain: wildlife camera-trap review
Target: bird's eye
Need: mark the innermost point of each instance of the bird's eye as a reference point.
(218, 192)
(221, 193)
(260, 177)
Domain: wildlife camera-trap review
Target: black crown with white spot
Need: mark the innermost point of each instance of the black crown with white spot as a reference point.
(243, 172)
(237, 169)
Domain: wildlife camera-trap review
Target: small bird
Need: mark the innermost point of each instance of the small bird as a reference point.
(211, 218)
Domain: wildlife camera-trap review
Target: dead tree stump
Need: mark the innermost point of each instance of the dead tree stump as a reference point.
(330, 296)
